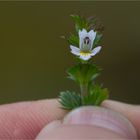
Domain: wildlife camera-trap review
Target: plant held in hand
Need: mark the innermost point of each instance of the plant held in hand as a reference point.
(84, 45)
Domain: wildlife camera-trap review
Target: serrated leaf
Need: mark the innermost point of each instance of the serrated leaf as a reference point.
(69, 100)
(96, 95)
(73, 40)
(88, 24)
(97, 39)
(80, 22)
(95, 23)
(83, 73)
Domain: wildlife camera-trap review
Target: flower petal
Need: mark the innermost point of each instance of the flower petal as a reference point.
(85, 57)
(82, 35)
(95, 50)
(75, 50)
(92, 36)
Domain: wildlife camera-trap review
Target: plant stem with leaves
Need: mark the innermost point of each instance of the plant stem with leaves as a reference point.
(84, 73)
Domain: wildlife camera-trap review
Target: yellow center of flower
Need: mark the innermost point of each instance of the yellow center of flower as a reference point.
(85, 53)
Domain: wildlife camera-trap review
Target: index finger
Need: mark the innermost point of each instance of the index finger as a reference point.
(24, 120)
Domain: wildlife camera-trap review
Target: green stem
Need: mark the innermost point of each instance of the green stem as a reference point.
(84, 91)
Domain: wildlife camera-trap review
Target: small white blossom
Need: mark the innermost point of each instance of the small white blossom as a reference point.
(86, 40)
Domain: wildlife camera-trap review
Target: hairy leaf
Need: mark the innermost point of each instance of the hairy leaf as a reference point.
(96, 95)
(73, 40)
(83, 73)
(80, 22)
(69, 100)
(96, 24)
(97, 39)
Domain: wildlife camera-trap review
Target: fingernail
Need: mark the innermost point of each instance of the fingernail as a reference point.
(47, 129)
(102, 117)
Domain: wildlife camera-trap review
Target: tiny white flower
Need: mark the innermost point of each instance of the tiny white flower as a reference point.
(86, 40)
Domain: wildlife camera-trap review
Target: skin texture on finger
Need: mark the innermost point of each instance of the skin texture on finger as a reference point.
(24, 120)
(101, 117)
(78, 132)
(54, 125)
(132, 112)
(88, 123)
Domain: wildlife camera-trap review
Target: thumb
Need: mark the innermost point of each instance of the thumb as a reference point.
(89, 123)
(132, 112)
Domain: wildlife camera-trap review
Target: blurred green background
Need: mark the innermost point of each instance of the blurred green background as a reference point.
(33, 57)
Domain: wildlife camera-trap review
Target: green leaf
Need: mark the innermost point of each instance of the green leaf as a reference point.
(83, 73)
(97, 39)
(96, 95)
(69, 100)
(88, 24)
(80, 23)
(96, 24)
(73, 40)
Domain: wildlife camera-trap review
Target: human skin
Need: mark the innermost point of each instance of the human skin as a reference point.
(31, 120)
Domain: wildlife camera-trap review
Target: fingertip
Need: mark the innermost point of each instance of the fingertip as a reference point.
(24, 120)
(101, 117)
(89, 123)
(131, 112)
(48, 129)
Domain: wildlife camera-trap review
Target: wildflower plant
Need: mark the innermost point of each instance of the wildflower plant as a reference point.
(84, 44)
